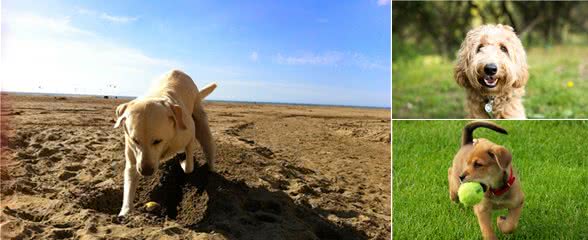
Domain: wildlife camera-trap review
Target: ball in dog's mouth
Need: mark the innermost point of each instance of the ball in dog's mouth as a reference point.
(489, 81)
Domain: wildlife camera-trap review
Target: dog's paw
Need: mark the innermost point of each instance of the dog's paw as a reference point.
(187, 167)
(504, 225)
(123, 212)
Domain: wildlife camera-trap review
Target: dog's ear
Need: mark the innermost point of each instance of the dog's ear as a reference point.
(120, 114)
(463, 59)
(502, 156)
(177, 114)
(523, 72)
(507, 27)
(523, 77)
(460, 75)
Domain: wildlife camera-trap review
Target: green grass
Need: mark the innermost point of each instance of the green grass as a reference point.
(552, 164)
(423, 85)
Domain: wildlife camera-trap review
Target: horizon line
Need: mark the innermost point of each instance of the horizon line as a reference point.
(210, 100)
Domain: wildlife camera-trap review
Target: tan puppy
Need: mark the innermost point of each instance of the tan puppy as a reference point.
(490, 164)
(170, 119)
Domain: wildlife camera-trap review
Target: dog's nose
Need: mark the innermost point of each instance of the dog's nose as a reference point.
(490, 69)
(462, 177)
(146, 171)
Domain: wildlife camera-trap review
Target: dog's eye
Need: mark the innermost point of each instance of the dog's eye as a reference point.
(156, 141)
(477, 165)
(504, 49)
(479, 48)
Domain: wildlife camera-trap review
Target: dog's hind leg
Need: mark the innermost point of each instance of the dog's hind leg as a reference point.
(204, 136)
(507, 224)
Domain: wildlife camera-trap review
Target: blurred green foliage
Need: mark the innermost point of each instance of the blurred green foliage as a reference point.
(426, 36)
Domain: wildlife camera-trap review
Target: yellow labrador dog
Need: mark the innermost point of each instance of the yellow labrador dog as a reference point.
(168, 120)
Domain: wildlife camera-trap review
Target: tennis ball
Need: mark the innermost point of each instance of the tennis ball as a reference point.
(151, 206)
(470, 193)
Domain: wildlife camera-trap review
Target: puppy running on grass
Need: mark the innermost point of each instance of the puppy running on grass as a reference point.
(480, 160)
(170, 119)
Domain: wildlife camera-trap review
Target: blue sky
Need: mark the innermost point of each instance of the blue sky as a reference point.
(280, 51)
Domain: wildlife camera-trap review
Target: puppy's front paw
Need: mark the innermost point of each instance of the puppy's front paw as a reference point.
(504, 225)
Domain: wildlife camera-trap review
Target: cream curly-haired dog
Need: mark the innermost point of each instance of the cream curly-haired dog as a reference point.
(492, 67)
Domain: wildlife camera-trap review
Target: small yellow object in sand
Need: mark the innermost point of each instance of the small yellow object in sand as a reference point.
(151, 206)
(570, 84)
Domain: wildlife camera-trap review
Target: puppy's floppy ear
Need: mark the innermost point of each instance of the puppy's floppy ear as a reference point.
(502, 156)
(120, 114)
(177, 114)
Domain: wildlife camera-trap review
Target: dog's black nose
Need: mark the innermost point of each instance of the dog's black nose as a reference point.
(490, 69)
(462, 177)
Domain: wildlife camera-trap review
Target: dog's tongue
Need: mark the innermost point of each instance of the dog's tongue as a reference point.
(489, 79)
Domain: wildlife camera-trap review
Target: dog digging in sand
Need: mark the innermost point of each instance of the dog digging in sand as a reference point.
(480, 160)
(170, 119)
(492, 68)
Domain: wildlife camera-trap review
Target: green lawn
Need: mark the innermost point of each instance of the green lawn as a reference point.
(423, 85)
(552, 162)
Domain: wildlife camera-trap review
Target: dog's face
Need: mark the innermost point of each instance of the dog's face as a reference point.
(149, 128)
(491, 59)
(486, 164)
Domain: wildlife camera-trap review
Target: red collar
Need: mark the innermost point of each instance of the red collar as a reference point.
(506, 187)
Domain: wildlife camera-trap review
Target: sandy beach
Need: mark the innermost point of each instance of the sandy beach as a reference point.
(283, 172)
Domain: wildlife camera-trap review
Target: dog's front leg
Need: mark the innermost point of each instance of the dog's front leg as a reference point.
(484, 215)
(509, 223)
(188, 163)
(453, 185)
(130, 185)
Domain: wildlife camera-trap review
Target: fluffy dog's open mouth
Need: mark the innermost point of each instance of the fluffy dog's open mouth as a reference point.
(488, 81)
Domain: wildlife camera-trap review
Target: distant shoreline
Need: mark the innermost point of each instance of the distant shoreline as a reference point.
(212, 100)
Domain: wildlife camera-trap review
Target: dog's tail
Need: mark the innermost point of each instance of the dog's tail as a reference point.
(468, 130)
(207, 90)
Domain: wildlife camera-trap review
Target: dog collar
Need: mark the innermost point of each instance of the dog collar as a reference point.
(488, 106)
(506, 187)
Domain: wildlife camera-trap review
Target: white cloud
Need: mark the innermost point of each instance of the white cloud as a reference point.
(27, 22)
(328, 58)
(106, 16)
(254, 56)
(50, 55)
(117, 19)
(364, 62)
(383, 2)
(333, 58)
